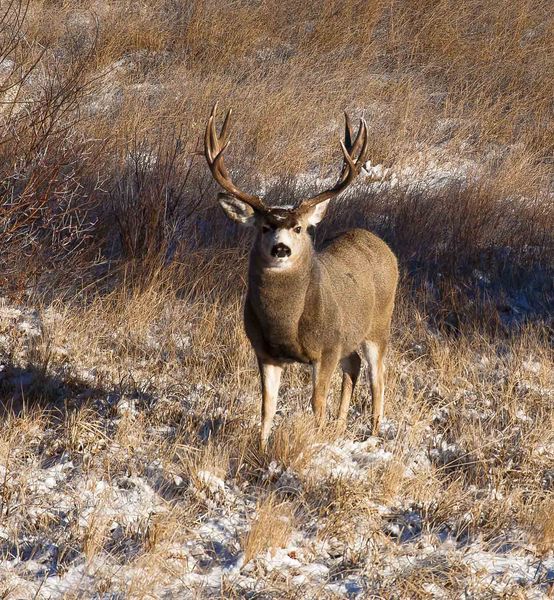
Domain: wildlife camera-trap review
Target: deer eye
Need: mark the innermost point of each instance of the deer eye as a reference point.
(265, 228)
(298, 229)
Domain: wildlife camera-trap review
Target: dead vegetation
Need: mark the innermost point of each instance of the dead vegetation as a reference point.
(130, 394)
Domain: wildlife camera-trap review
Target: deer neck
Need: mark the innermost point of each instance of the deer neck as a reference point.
(278, 296)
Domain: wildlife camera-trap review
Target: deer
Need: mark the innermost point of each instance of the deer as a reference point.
(317, 307)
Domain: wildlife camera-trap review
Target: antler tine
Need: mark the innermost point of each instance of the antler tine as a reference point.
(354, 158)
(347, 131)
(214, 147)
(219, 143)
(352, 144)
(361, 140)
(224, 129)
(353, 147)
(350, 168)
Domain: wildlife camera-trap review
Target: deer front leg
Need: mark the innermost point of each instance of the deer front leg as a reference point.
(322, 373)
(270, 375)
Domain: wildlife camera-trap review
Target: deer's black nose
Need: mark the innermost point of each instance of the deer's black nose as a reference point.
(280, 251)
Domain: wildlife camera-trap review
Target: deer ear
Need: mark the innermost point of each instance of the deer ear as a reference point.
(315, 214)
(237, 210)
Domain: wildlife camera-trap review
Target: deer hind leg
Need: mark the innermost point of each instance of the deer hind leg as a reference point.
(322, 373)
(271, 378)
(350, 372)
(375, 353)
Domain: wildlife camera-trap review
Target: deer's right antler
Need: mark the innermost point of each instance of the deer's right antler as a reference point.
(214, 147)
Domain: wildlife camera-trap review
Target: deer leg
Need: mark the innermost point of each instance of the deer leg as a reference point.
(271, 378)
(322, 373)
(351, 370)
(374, 354)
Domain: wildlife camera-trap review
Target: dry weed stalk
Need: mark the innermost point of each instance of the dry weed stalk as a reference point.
(271, 528)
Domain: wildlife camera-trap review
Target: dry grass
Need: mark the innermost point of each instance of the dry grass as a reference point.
(128, 461)
(542, 521)
(271, 528)
(109, 119)
(470, 454)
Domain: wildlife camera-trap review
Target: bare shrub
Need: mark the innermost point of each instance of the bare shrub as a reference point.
(47, 195)
(152, 198)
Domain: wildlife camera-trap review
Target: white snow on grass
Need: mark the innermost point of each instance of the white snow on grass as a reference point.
(126, 502)
(346, 458)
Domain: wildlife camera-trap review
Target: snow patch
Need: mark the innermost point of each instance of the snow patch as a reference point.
(347, 459)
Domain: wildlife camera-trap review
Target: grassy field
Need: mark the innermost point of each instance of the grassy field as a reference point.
(129, 465)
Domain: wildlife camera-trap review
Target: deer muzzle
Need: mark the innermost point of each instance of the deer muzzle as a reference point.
(280, 251)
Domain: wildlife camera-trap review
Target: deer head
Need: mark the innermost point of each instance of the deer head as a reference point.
(282, 236)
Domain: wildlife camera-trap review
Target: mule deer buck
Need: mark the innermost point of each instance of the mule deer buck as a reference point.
(318, 308)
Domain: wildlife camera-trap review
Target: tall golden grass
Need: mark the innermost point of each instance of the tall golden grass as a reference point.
(99, 145)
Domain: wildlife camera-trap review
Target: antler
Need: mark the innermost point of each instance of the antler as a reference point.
(354, 158)
(214, 147)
